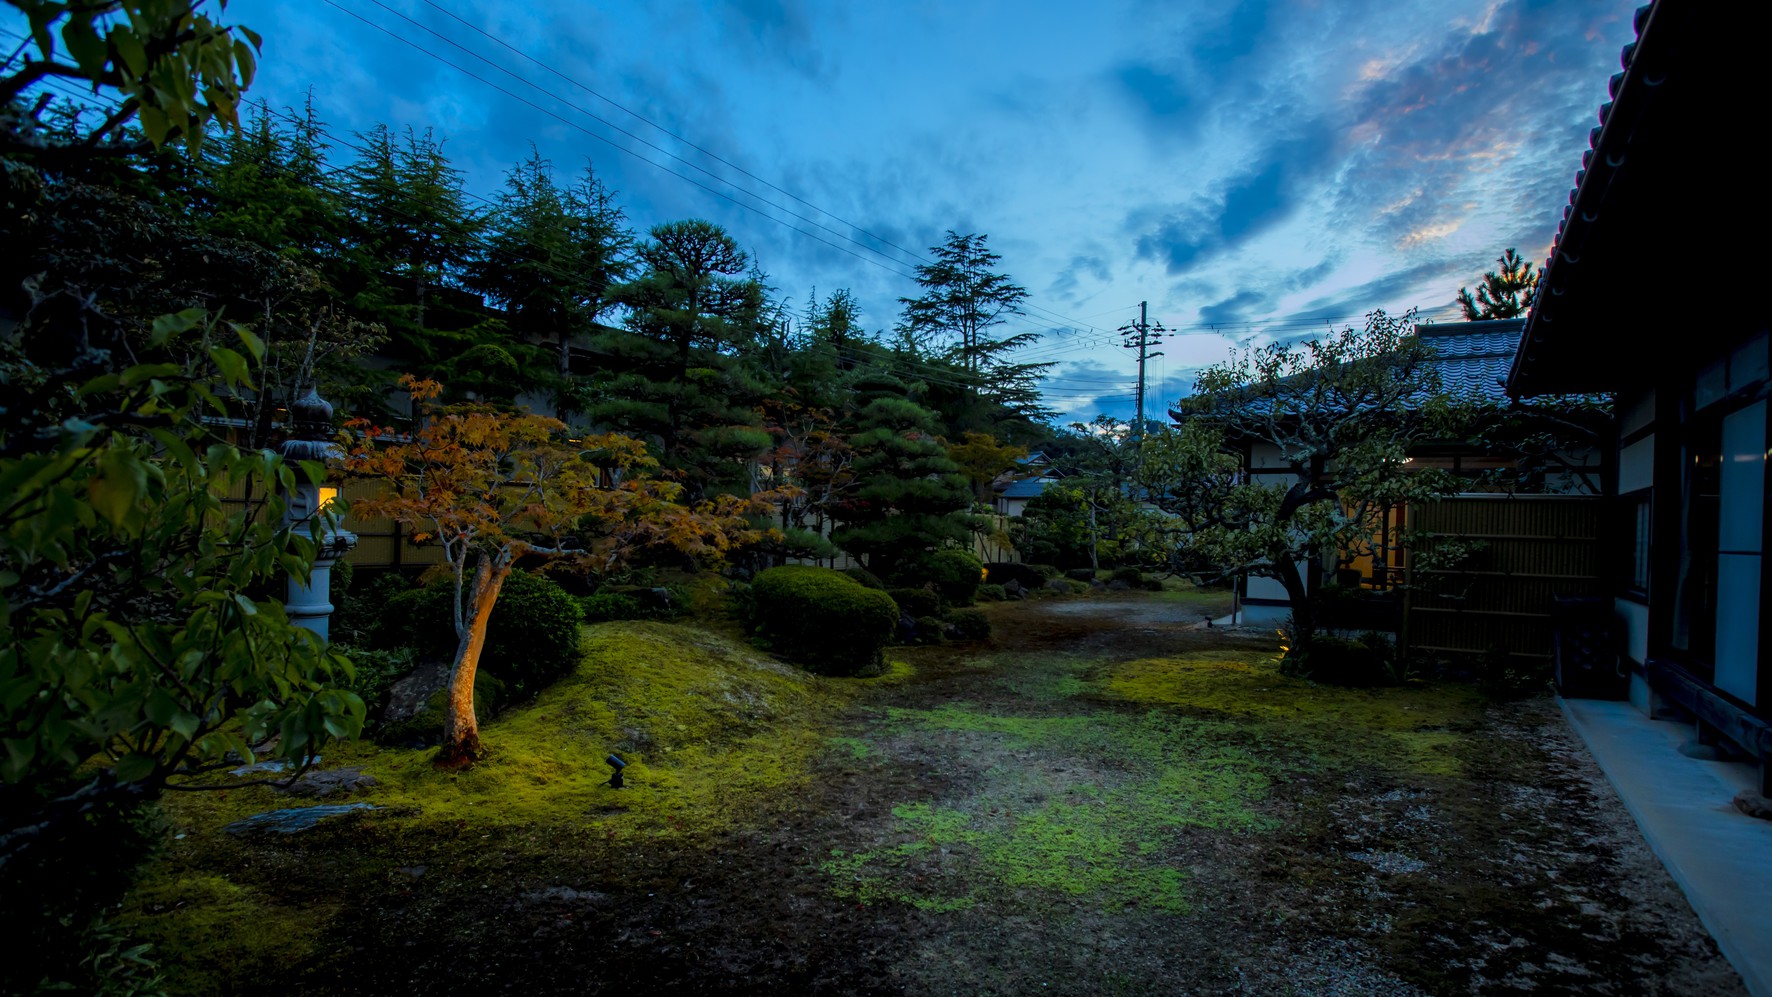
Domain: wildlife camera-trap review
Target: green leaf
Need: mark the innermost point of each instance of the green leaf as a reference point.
(185, 724)
(134, 767)
(254, 345)
(232, 365)
(130, 50)
(119, 483)
(246, 605)
(84, 44)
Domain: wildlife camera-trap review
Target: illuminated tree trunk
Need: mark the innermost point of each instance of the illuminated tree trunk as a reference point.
(461, 731)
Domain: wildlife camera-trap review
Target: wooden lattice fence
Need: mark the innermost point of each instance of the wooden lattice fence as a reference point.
(1530, 548)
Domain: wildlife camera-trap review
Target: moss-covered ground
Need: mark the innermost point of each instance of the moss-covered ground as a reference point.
(1106, 798)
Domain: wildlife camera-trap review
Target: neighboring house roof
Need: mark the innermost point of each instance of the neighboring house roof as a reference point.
(1474, 357)
(1026, 488)
(1653, 240)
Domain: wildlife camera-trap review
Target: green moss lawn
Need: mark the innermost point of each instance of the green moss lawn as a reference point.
(1106, 798)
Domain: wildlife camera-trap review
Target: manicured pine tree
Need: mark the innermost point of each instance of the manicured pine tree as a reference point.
(681, 371)
(909, 496)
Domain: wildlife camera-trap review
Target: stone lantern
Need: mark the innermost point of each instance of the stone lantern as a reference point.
(310, 435)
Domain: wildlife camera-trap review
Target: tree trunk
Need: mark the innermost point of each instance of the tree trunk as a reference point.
(461, 731)
(1304, 622)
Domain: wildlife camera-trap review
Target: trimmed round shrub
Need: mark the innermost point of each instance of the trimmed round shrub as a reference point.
(916, 603)
(822, 618)
(969, 624)
(956, 575)
(865, 577)
(377, 671)
(931, 630)
(606, 606)
(531, 640)
(992, 593)
(1047, 571)
(1338, 661)
(1130, 575)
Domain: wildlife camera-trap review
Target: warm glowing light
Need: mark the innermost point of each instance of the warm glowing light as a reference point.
(328, 495)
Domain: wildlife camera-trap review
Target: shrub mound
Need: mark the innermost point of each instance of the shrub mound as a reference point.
(969, 624)
(867, 578)
(822, 618)
(956, 575)
(531, 640)
(1340, 661)
(916, 603)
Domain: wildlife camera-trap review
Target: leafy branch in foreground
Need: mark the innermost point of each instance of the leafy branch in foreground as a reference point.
(135, 652)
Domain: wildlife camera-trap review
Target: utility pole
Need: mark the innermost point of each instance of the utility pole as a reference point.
(1141, 336)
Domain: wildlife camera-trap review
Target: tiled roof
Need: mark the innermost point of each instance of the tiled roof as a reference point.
(1027, 488)
(1474, 357)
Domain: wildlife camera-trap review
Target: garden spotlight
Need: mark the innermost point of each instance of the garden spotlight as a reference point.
(615, 777)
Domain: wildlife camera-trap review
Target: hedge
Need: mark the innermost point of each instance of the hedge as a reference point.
(822, 618)
(956, 575)
(916, 603)
(531, 640)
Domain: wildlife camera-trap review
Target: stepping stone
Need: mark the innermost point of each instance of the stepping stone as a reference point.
(329, 781)
(293, 820)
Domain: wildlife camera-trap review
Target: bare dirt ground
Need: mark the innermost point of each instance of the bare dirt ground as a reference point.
(1041, 816)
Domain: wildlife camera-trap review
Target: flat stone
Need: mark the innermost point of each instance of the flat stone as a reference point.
(323, 784)
(260, 768)
(564, 894)
(293, 820)
(1389, 862)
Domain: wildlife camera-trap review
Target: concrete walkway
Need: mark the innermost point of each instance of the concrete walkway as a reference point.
(1720, 857)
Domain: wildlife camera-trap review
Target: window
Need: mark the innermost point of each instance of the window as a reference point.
(1637, 520)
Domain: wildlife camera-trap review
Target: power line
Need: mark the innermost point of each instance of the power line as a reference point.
(916, 256)
(613, 103)
(611, 143)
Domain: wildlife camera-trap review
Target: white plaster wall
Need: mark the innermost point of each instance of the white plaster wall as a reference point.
(1264, 616)
(1267, 455)
(1265, 588)
(1635, 618)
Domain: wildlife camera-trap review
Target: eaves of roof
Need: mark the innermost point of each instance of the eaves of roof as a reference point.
(1649, 269)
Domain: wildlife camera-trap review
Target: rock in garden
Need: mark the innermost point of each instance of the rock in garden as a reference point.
(1058, 585)
(408, 697)
(294, 820)
(1012, 590)
(1753, 804)
(323, 784)
(1119, 585)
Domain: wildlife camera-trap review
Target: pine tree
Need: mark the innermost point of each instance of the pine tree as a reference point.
(963, 299)
(908, 495)
(551, 259)
(682, 373)
(1505, 294)
(413, 232)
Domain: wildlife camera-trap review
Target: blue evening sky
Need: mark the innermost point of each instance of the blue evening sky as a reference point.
(1249, 169)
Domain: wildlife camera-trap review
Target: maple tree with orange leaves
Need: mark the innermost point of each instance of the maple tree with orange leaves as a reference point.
(492, 486)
